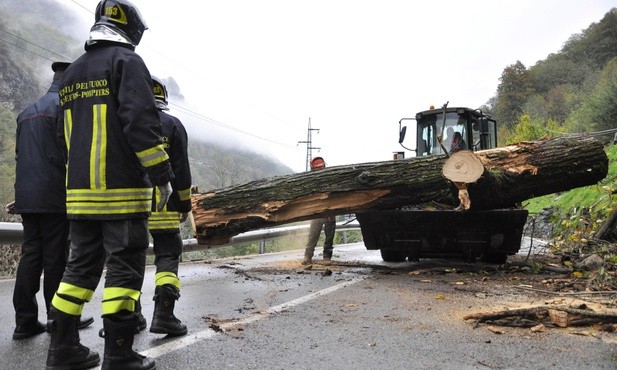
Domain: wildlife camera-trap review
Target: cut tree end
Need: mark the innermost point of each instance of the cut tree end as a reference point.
(463, 166)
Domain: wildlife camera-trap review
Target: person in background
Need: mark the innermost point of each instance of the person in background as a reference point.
(164, 225)
(328, 224)
(40, 197)
(458, 143)
(112, 135)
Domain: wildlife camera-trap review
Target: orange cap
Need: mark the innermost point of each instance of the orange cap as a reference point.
(318, 162)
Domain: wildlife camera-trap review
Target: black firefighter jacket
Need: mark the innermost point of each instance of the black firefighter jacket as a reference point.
(112, 133)
(175, 141)
(39, 182)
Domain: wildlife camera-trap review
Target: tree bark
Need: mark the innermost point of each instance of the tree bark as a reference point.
(512, 174)
(555, 316)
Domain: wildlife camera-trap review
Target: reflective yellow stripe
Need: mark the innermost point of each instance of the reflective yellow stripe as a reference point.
(164, 220)
(103, 153)
(75, 291)
(185, 194)
(66, 306)
(116, 299)
(157, 198)
(98, 147)
(119, 292)
(167, 277)
(68, 127)
(100, 195)
(109, 201)
(152, 156)
(85, 208)
(115, 306)
(70, 290)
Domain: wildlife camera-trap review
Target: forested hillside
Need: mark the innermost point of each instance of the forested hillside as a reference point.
(571, 91)
(41, 35)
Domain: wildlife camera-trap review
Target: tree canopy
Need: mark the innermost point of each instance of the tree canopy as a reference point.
(574, 90)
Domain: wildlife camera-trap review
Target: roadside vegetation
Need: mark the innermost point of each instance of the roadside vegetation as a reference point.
(577, 217)
(571, 92)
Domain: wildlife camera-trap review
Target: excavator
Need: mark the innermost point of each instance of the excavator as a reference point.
(433, 231)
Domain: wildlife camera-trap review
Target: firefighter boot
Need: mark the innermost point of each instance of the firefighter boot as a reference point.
(164, 321)
(84, 322)
(65, 350)
(119, 331)
(141, 320)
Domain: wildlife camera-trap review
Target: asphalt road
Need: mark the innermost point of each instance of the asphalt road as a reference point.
(269, 312)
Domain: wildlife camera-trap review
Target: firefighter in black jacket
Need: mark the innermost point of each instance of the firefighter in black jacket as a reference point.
(40, 199)
(165, 225)
(115, 154)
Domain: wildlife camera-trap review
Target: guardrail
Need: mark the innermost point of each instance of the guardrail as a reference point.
(12, 233)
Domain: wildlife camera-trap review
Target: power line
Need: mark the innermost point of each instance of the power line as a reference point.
(30, 43)
(183, 109)
(83, 7)
(220, 124)
(146, 45)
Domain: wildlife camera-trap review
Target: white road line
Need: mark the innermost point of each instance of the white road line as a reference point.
(209, 333)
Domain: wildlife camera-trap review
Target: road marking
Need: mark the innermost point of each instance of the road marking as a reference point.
(209, 333)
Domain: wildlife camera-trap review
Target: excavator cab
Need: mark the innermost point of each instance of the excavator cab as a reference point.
(477, 130)
(417, 232)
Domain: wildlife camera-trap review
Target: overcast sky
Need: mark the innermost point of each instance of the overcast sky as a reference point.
(254, 72)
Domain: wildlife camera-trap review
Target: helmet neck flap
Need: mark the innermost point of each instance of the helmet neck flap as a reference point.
(161, 105)
(101, 32)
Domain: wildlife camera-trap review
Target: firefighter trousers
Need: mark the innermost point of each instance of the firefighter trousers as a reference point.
(121, 246)
(167, 250)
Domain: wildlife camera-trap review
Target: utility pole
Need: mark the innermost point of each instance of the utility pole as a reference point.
(309, 144)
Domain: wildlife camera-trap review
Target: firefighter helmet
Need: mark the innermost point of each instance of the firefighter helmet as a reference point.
(160, 93)
(123, 17)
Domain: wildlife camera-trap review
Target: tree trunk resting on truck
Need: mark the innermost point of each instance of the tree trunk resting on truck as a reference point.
(511, 175)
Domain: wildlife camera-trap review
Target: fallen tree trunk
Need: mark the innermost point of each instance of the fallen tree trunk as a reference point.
(512, 174)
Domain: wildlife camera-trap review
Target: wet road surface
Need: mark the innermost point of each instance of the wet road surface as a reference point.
(269, 312)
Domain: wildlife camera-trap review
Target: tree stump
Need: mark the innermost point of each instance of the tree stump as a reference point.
(511, 175)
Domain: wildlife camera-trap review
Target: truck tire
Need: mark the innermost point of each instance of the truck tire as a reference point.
(392, 255)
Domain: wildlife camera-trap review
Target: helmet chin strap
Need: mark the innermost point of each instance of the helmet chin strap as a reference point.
(101, 32)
